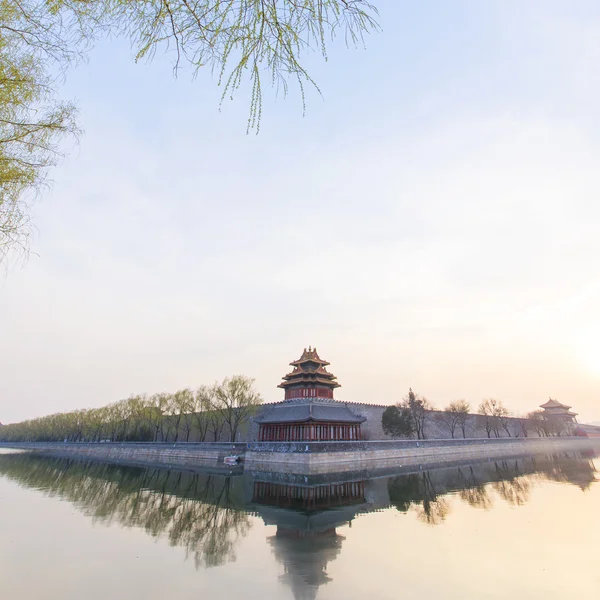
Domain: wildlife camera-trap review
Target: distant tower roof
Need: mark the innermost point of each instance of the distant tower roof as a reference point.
(554, 408)
(554, 404)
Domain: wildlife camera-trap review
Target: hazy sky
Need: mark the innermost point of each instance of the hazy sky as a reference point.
(433, 221)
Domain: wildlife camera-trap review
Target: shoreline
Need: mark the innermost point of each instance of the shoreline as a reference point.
(308, 458)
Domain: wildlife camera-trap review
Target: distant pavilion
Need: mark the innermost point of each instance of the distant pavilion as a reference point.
(309, 411)
(556, 410)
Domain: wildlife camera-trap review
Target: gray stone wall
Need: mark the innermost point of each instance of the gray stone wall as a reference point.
(434, 429)
(309, 458)
(312, 458)
(139, 453)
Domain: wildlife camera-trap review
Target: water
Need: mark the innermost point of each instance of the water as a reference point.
(526, 528)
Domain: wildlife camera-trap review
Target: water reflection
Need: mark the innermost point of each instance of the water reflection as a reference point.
(209, 513)
(202, 513)
(306, 518)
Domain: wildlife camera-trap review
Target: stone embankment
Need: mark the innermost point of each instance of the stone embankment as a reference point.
(309, 457)
(323, 457)
(139, 453)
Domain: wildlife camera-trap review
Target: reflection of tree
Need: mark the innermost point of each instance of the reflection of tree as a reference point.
(201, 513)
(418, 490)
(474, 492)
(403, 491)
(512, 480)
(434, 509)
(511, 486)
(576, 468)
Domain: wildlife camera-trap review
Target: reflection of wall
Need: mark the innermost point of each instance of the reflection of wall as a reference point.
(511, 479)
(308, 497)
(207, 514)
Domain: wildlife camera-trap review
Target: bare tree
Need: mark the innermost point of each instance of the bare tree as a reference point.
(524, 426)
(537, 421)
(455, 416)
(505, 422)
(494, 413)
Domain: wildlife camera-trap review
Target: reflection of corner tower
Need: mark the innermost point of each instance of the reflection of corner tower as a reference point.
(309, 412)
(305, 557)
(306, 518)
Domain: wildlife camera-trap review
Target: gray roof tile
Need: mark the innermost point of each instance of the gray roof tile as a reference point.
(333, 412)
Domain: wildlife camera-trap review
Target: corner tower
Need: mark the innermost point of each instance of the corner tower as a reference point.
(309, 413)
(310, 378)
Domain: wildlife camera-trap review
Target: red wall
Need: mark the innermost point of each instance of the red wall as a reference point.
(308, 393)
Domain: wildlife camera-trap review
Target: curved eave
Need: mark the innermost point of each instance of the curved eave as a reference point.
(274, 421)
(325, 383)
(300, 374)
(302, 361)
(554, 404)
(316, 412)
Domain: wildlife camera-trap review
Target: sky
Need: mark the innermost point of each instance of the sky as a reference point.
(432, 222)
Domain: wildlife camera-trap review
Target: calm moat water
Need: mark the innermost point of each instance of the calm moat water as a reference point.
(518, 528)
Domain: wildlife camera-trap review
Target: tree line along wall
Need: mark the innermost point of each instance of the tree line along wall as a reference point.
(371, 428)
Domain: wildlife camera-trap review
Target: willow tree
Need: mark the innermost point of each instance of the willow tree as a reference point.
(32, 119)
(240, 41)
(236, 400)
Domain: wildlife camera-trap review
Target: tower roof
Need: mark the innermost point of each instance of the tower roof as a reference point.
(309, 369)
(310, 410)
(554, 404)
(309, 355)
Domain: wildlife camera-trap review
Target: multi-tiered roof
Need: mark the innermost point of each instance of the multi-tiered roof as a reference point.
(557, 409)
(309, 412)
(310, 373)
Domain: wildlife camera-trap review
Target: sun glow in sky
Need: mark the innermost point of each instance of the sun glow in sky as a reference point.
(432, 222)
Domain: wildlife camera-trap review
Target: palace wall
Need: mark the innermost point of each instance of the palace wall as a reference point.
(371, 429)
(314, 458)
(435, 428)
